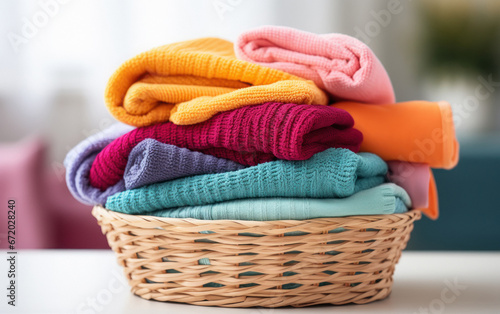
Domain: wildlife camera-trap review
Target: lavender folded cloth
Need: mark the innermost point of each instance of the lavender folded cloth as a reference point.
(149, 162)
(79, 161)
(152, 161)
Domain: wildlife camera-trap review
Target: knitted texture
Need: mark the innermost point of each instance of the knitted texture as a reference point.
(384, 199)
(151, 162)
(340, 64)
(414, 131)
(249, 136)
(425, 134)
(189, 82)
(332, 173)
(79, 160)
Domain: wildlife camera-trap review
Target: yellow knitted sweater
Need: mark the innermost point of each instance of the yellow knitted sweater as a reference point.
(189, 82)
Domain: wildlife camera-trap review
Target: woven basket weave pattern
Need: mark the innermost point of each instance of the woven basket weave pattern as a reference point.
(258, 263)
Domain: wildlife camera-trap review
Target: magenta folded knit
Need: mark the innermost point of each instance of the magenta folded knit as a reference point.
(249, 136)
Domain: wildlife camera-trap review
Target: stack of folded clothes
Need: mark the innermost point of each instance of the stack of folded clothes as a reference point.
(283, 125)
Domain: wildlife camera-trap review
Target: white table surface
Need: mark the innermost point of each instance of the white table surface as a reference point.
(67, 281)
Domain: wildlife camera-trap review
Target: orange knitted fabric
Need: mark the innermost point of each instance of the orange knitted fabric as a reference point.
(432, 210)
(189, 82)
(414, 131)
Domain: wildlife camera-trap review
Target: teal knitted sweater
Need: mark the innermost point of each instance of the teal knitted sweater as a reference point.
(387, 198)
(333, 173)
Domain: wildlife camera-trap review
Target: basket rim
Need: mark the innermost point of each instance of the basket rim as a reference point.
(99, 210)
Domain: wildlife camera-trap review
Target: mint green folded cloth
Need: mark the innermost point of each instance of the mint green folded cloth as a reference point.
(386, 198)
(333, 173)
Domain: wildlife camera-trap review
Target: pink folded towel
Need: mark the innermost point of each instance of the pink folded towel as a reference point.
(340, 64)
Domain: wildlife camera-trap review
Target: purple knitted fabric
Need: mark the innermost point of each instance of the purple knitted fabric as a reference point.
(79, 161)
(152, 161)
(149, 162)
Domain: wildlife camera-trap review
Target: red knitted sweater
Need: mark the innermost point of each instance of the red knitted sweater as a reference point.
(249, 135)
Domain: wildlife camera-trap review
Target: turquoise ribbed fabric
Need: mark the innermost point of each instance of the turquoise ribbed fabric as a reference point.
(387, 198)
(333, 173)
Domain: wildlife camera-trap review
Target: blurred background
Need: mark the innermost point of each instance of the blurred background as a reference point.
(56, 57)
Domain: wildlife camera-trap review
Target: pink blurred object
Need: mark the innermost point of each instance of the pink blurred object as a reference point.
(414, 178)
(342, 65)
(47, 216)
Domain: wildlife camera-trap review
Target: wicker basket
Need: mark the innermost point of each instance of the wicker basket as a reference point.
(235, 263)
